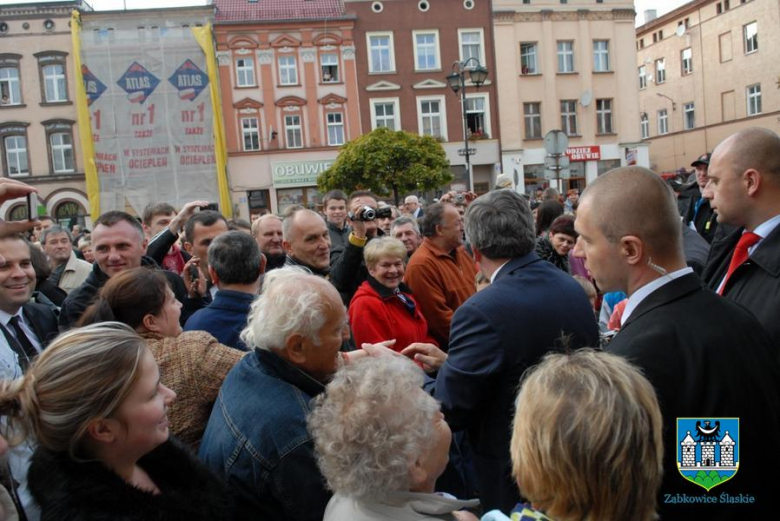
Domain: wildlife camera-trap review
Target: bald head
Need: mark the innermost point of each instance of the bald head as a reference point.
(635, 201)
(756, 148)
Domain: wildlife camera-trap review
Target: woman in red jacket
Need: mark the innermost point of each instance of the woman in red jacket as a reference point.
(383, 307)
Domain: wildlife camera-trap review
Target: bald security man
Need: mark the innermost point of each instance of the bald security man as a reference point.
(744, 191)
(705, 356)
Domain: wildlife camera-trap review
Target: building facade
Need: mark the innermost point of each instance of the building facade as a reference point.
(706, 70)
(568, 66)
(404, 50)
(289, 97)
(39, 142)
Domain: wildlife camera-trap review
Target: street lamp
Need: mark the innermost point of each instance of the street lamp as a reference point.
(457, 82)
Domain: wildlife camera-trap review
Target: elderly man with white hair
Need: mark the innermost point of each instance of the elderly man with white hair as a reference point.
(256, 437)
(413, 207)
(381, 444)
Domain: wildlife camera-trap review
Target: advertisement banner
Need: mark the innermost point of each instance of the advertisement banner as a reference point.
(150, 103)
(589, 153)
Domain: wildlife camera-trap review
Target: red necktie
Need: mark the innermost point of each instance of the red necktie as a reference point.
(740, 255)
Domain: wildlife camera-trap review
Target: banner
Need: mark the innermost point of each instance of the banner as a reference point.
(151, 121)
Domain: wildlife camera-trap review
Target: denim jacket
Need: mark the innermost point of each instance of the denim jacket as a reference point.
(257, 439)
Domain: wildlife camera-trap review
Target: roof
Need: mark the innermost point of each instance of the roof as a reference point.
(277, 10)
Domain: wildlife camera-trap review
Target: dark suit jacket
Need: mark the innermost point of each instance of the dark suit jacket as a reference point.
(496, 335)
(756, 284)
(707, 358)
(43, 320)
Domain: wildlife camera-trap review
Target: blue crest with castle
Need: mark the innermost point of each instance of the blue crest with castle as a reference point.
(708, 450)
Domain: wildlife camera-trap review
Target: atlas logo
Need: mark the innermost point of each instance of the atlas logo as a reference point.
(138, 83)
(94, 87)
(708, 450)
(189, 80)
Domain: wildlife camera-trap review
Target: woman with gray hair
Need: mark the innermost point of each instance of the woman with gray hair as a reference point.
(381, 443)
(383, 307)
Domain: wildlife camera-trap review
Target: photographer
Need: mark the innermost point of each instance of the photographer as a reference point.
(347, 268)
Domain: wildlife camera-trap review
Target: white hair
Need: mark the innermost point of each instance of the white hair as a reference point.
(292, 301)
(411, 199)
(371, 424)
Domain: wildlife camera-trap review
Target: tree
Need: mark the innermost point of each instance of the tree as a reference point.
(385, 161)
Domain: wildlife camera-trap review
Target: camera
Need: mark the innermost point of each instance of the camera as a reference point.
(213, 207)
(369, 214)
(460, 198)
(32, 206)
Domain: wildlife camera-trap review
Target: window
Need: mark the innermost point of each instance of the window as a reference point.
(292, 127)
(660, 71)
(16, 162)
(569, 117)
(644, 123)
(426, 51)
(754, 100)
(245, 72)
(750, 32)
(600, 55)
(61, 147)
(686, 58)
(329, 62)
(380, 52)
(477, 118)
(54, 84)
(384, 113)
(335, 128)
(250, 131)
(604, 116)
(471, 45)
(288, 70)
(566, 56)
(663, 122)
(10, 93)
(689, 119)
(641, 43)
(528, 58)
(431, 117)
(642, 77)
(533, 120)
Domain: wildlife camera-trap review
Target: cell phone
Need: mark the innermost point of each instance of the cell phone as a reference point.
(193, 272)
(212, 206)
(32, 206)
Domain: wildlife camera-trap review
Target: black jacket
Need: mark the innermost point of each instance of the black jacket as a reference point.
(707, 358)
(339, 237)
(80, 298)
(756, 284)
(44, 321)
(69, 490)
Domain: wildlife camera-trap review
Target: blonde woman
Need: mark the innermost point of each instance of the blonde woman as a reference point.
(586, 443)
(94, 403)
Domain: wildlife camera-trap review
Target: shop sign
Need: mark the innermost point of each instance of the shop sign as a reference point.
(592, 153)
(298, 173)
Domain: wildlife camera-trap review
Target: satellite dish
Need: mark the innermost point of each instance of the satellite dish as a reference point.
(680, 30)
(586, 98)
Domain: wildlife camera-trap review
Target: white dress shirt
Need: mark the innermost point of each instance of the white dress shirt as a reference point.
(645, 291)
(9, 360)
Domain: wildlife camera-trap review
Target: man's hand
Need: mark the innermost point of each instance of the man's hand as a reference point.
(196, 287)
(380, 348)
(13, 189)
(187, 211)
(430, 356)
(358, 226)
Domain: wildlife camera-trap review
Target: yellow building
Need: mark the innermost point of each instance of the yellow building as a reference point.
(568, 66)
(707, 70)
(38, 130)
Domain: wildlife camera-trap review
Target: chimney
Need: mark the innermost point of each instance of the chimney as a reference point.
(650, 15)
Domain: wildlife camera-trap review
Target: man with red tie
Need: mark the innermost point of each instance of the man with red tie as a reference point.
(744, 191)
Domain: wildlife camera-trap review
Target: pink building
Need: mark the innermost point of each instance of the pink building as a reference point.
(289, 97)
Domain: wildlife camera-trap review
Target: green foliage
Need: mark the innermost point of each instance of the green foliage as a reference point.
(707, 480)
(385, 162)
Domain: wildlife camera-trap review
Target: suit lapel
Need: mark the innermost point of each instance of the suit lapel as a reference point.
(665, 294)
(32, 319)
(719, 259)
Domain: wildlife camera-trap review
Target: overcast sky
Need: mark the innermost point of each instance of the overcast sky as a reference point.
(662, 6)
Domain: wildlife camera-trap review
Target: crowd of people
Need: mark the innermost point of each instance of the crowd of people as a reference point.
(500, 356)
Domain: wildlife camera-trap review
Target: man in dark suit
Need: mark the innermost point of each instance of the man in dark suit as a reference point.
(530, 308)
(705, 356)
(744, 191)
(26, 327)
